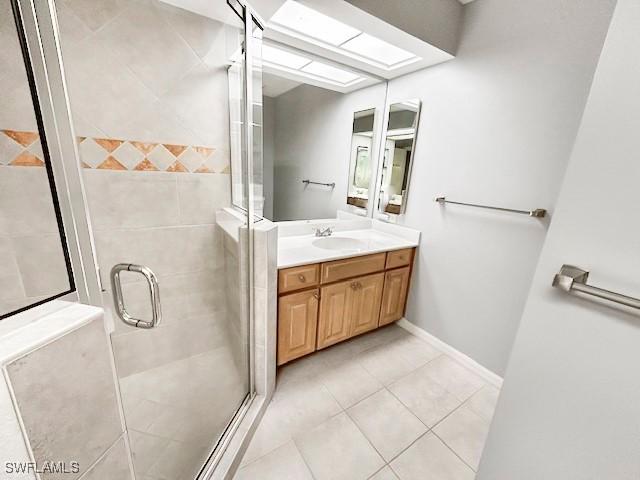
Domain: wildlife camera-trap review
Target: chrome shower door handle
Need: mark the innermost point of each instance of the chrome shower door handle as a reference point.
(154, 292)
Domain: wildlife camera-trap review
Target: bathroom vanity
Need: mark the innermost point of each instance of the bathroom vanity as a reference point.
(328, 300)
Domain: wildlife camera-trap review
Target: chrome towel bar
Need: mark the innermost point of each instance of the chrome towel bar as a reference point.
(537, 213)
(574, 279)
(309, 182)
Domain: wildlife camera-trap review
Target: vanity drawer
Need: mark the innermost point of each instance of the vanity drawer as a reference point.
(352, 267)
(297, 278)
(399, 258)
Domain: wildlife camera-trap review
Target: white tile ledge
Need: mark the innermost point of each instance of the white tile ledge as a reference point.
(32, 329)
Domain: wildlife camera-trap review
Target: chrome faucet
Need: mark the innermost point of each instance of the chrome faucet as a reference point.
(324, 233)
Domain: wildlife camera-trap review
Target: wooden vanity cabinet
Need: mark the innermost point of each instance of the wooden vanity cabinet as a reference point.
(349, 308)
(323, 304)
(365, 305)
(394, 297)
(335, 314)
(297, 324)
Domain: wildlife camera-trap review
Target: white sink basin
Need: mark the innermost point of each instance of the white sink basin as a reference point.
(339, 243)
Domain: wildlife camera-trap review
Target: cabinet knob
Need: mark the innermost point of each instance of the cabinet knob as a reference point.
(354, 286)
(316, 296)
(301, 278)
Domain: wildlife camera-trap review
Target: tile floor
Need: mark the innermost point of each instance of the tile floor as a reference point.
(386, 405)
(175, 412)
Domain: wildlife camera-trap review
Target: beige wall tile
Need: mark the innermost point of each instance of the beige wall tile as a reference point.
(115, 464)
(42, 264)
(67, 398)
(131, 199)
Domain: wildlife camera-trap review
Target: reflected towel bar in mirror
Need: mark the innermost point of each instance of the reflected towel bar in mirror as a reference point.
(309, 182)
(537, 213)
(574, 279)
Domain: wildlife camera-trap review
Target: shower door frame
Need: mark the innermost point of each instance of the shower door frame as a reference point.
(41, 31)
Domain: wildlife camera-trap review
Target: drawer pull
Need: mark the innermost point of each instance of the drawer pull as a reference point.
(301, 278)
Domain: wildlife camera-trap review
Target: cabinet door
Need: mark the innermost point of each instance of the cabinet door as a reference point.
(297, 325)
(366, 299)
(394, 297)
(335, 313)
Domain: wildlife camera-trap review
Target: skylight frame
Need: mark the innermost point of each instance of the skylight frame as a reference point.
(291, 31)
(302, 74)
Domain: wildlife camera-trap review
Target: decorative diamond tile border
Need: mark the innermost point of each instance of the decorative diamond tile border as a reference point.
(23, 149)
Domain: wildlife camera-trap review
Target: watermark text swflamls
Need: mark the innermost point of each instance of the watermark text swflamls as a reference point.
(42, 467)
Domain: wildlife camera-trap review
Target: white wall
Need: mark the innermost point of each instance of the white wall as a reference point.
(268, 153)
(497, 127)
(435, 21)
(313, 141)
(570, 405)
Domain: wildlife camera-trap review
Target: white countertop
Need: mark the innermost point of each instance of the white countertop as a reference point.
(300, 249)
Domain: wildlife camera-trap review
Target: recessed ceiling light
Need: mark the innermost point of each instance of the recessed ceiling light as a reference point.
(300, 18)
(284, 58)
(378, 50)
(329, 72)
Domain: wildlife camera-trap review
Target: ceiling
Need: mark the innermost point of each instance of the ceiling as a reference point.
(327, 43)
(274, 86)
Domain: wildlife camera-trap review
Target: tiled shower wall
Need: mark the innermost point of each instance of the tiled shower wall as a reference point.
(32, 265)
(149, 95)
(148, 89)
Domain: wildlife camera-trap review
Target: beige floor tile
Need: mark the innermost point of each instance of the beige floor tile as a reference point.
(304, 407)
(484, 401)
(284, 463)
(349, 383)
(337, 450)
(430, 459)
(146, 450)
(388, 425)
(180, 461)
(300, 369)
(385, 474)
(465, 432)
(454, 377)
(384, 363)
(427, 399)
(415, 350)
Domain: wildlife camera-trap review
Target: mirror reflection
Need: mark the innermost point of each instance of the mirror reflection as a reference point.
(360, 166)
(319, 152)
(402, 125)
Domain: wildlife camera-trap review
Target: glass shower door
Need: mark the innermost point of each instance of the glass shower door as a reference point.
(148, 87)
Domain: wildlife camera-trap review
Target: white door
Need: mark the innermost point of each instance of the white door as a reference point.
(570, 406)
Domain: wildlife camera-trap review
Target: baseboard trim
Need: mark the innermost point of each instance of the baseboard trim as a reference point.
(468, 362)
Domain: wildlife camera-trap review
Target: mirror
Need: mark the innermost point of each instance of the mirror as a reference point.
(360, 166)
(402, 127)
(320, 152)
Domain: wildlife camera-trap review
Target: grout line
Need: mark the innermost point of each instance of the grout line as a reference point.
(304, 460)
(454, 452)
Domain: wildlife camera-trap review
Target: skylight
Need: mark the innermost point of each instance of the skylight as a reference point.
(284, 58)
(376, 49)
(288, 62)
(303, 19)
(300, 21)
(332, 73)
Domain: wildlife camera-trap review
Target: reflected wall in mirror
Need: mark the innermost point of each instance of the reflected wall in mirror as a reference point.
(360, 167)
(34, 265)
(309, 135)
(402, 127)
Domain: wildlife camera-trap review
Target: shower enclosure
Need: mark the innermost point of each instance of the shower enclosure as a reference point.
(144, 103)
